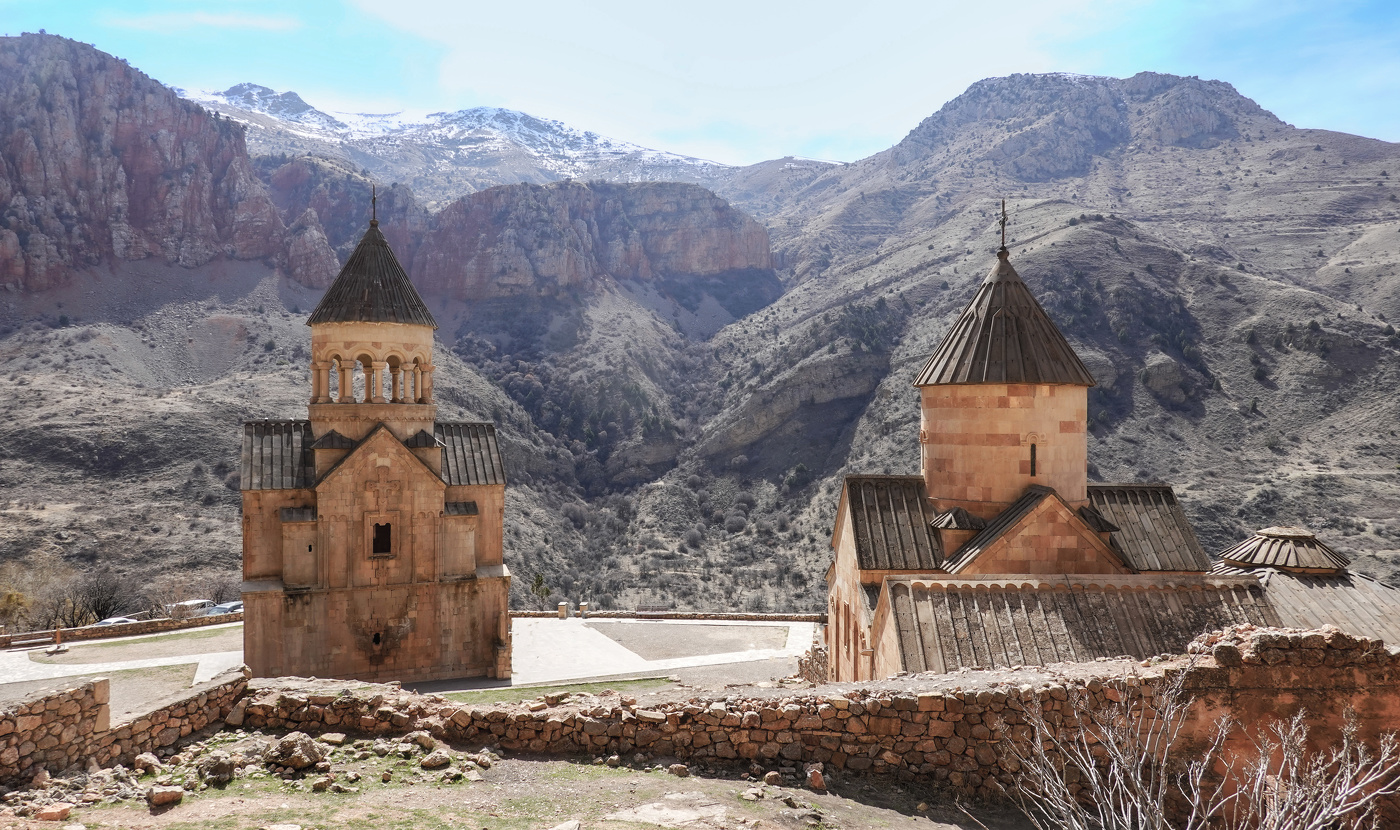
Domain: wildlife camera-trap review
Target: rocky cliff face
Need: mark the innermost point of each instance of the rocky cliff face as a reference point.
(540, 240)
(340, 196)
(98, 161)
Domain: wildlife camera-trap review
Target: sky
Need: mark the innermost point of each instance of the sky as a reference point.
(739, 81)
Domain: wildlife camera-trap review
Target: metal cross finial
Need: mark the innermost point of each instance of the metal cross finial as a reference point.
(1003, 224)
(374, 205)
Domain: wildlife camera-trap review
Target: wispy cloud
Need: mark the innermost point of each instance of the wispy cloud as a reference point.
(167, 21)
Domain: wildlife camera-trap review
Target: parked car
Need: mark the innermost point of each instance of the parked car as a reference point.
(189, 608)
(115, 621)
(227, 608)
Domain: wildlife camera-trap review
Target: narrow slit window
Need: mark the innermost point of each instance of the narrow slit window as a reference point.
(383, 539)
(1032, 460)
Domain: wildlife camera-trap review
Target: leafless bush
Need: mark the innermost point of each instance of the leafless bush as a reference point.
(1128, 766)
(1283, 786)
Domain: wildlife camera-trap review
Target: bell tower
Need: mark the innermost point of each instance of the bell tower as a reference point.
(371, 356)
(1003, 403)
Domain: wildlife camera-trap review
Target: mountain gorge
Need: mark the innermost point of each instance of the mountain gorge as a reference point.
(683, 357)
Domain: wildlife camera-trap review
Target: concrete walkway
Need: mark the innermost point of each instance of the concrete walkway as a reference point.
(551, 650)
(16, 667)
(545, 651)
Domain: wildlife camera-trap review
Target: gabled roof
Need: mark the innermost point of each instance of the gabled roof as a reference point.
(470, 454)
(958, 519)
(1039, 531)
(946, 623)
(333, 440)
(1286, 548)
(276, 455)
(890, 521)
(1153, 532)
(372, 288)
(1003, 522)
(383, 436)
(1004, 336)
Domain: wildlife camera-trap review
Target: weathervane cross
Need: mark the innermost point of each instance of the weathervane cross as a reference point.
(1003, 224)
(374, 204)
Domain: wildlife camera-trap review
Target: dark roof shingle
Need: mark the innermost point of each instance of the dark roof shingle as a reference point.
(1004, 336)
(1354, 603)
(943, 625)
(890, 521)
(372, 288)
(277, 455)
(470, 454)
(1153, 532)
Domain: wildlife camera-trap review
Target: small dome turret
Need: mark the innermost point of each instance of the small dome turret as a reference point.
(1286, 548)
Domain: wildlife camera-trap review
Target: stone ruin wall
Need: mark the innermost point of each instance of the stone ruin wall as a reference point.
(63, 730)
(924, 728)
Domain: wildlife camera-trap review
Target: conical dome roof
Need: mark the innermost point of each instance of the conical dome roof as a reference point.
(1004, 336)
(1285, 548)
(372, 288)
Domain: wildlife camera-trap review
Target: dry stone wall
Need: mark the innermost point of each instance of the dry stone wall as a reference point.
(952, 730)
(57, 731)
(954, 735)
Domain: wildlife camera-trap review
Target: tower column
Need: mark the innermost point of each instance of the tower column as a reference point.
(347, 383)
(427, 396)
(376, 394)
(320, 381)
(397, 381)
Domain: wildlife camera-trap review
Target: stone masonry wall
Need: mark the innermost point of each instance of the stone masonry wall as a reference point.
(950, 735)
(64, 729)
(951, 730)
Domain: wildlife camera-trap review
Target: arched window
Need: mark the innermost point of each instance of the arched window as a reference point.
(1032, 460)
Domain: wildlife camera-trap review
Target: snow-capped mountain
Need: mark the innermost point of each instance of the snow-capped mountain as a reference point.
(445, 155)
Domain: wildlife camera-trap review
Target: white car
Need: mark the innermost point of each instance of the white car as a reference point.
(115, 621)
(189, 608)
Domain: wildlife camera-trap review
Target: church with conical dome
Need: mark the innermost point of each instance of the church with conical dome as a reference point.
(1002, 553)
(372, 532)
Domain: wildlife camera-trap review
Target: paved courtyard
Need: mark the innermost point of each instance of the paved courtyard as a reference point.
(147, 668)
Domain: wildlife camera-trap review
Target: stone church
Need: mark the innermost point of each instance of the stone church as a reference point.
(371, 531)
(1001, 553)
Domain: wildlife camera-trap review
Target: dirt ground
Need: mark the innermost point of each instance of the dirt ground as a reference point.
(524, 794)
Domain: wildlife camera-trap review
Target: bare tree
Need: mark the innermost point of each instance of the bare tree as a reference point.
(1282, 786)
(104, 594)
(1084, 765)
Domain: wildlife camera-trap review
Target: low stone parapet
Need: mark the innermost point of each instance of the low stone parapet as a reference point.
(131, 629)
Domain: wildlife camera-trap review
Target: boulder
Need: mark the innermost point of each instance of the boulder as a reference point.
(147, 762)
(437, 759)
(54, 812)
(164, 796)
(216, 768)
(296, 750)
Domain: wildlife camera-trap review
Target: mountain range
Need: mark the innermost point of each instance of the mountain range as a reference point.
(683, 357)
(444, 155)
